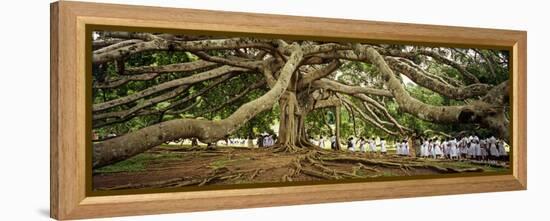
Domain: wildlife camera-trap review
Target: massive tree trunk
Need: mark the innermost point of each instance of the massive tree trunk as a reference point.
(292, 130)
(288, 127)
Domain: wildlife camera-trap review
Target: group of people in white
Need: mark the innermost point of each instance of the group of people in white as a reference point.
(470, 147)
(366, 145)
(467, 147)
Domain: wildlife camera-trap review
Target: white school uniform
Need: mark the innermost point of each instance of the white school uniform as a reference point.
(362, 145)
(493, 147)
(453, 150)
(424, 149)
(372, 145)
(433, 148)
(352, 148)
(405, 148)
(322, 143)
(398, 148)
(472, 149)
(437, 148)
(383, 146)
(478, 149)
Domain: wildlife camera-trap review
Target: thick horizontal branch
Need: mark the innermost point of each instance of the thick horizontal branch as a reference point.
(324, 103)
(162, 44)
(318, 74)
(119, 81)
(117, 45)
(145, 73)
(100, 43)
(179, 67)
(129, 35)
(167, 85)
(235, 61)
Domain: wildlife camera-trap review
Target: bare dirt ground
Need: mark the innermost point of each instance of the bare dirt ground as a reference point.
(179, 166)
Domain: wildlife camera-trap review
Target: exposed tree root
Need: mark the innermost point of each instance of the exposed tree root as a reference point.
(493, 164)
(307, 162)
(327, 165)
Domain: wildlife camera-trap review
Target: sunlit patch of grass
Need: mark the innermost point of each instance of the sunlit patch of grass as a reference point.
(465, 164)
(224, 162)
(387, 173)
(137, 163)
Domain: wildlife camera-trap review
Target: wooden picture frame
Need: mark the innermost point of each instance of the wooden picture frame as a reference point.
(69, 199)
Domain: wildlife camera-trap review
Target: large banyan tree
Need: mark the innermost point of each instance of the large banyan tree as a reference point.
(155, 88)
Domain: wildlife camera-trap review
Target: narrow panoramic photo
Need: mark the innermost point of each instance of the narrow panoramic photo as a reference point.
(176, 110)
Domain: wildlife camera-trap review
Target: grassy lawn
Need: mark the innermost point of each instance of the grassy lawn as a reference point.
(137, 163)
(224, 162)
(465, 164)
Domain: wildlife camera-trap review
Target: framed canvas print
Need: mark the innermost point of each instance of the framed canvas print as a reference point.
(159, 110)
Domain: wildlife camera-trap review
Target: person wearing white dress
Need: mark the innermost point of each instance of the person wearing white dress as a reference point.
(453, 151)
(434, 148)
(464, 148)
(398, 148)
(383, 149)
(321, 142)
(265, 142)
(493, 151)
(437, 149)
(362, 143)
(424, 149)
(478, 151)
(405, 148)
(351, 145)
(472, 149)
(372, 145)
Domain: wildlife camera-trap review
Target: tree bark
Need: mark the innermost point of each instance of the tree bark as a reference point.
(288, 128)
(337, 128)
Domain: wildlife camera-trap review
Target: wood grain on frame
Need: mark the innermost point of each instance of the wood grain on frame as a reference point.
(68, 111)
